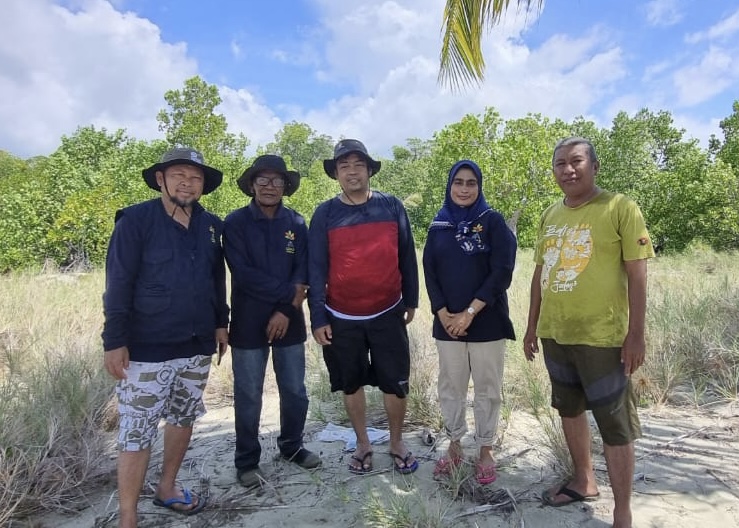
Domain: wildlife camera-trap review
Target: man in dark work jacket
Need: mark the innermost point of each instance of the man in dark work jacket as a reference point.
(165, 314)
(266, 249)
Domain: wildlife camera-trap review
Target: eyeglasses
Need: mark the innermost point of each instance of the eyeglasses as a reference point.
(263, 181)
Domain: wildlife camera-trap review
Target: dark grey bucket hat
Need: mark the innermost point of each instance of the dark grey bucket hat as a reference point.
(183, 156)
(346, 147)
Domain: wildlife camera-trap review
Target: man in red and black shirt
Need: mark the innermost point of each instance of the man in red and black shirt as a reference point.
(363, 278)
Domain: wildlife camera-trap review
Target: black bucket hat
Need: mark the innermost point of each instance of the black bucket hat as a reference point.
(269, 162)
(183, 156)
(344, 148)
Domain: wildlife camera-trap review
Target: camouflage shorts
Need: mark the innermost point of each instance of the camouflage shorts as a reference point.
(172, 390)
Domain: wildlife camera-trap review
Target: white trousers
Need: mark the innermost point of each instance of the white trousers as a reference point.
(484, 362)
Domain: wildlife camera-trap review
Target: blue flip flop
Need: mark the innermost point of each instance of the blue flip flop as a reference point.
(170, 504)
(406, 469)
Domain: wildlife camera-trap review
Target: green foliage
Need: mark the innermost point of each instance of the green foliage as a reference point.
(82, 228)
(518, 189)
(521, 191)
(301, 147)
(61, 207)
(26, 216)
(683, 196)
(407, 177)
(462, 61)
(728, 151)
(192, 121)
(304, 151)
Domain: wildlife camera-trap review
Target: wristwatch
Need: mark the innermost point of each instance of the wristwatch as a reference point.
(471, 311)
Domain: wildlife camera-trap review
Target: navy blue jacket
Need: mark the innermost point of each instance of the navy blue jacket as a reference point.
(267, 258)
(454, 279)
(164, 284)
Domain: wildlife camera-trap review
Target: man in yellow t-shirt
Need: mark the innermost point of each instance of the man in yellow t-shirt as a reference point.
(588, 304)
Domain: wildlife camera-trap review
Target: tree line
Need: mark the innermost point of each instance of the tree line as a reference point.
(60, 208)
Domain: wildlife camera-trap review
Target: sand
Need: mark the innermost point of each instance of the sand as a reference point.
(687, 475)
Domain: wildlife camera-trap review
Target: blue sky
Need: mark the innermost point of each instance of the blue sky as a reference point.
(364, 69)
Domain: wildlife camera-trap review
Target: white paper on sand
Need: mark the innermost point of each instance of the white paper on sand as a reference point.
(333, 433)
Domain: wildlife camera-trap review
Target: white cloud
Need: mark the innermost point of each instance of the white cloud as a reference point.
(303, 55)
(697, 83)
(663, 12)
(390, 51)
(245, 114)
(364, 40)
(279, 55)
(700, 129)
(723, 29)
(629, 103)
(653, 71)
(60, 69)
(364, 43)
(399, 109)
(561, 78)
(563, 50)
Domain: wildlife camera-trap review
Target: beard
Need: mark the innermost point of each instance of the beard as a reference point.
(181, 203)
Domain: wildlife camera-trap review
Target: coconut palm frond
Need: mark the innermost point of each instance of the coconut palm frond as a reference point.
(461, 61)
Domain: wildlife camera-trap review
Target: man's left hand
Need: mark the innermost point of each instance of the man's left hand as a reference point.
(221, 343)
(633, 352)
(409, 314)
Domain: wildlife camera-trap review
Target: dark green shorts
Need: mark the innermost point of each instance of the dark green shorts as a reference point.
(586, 377)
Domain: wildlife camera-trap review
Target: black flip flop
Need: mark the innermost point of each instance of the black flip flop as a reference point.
(364, 466)
(572, 494)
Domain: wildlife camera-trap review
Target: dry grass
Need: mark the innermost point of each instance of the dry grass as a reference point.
(693, 322)
(55, 397)
(53, 393)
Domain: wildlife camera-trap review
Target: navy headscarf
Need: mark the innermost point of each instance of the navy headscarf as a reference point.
(453, 216)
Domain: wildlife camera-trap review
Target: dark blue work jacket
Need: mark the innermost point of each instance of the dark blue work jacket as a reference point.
(267, 257)
(165, 284)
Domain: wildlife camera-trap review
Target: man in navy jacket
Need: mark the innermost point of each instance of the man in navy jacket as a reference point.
(165, 315)
(266, 249)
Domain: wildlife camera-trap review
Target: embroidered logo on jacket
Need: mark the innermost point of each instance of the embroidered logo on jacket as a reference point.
(290, 246)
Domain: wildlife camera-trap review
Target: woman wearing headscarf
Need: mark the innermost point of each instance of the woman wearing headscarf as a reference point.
(468, 262)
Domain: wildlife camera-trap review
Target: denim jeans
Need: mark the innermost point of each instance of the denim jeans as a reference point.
(249, 367)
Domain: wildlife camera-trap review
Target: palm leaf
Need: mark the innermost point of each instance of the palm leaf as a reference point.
(461, 60)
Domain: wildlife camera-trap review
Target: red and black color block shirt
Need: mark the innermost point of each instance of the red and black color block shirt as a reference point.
(362, 259)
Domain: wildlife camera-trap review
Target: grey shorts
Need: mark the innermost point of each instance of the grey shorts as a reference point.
(587, 377)
(172, 390)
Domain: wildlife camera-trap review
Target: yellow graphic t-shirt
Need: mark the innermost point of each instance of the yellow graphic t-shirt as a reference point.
(583, 280)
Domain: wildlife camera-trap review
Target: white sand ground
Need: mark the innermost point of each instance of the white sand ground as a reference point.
(687, 475)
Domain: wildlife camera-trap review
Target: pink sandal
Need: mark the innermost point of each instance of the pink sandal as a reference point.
(485, 474)
(445, 465)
